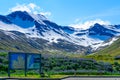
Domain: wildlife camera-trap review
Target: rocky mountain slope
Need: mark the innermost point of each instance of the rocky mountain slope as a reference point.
(23, 31)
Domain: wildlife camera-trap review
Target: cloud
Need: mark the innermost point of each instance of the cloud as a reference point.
(86, 21)
(45, 13)
(87, 24)
(20, 8)
(31, 8)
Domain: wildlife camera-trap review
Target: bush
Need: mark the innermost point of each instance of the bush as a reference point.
(3, 72)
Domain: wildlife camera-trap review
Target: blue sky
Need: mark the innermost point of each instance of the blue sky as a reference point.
(66, 12)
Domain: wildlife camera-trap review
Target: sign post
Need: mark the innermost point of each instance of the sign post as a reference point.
(25, 65)
(9, 65)
(24, 61)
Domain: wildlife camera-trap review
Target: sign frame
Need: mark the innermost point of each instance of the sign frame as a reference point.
(25, 62)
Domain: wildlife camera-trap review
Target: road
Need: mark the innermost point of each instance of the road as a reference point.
(83, 78)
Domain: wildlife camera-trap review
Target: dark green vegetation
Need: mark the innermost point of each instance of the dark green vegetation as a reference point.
(79, 66)
(65, 65)
(3, 63)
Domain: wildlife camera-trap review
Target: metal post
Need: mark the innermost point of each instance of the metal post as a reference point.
(9, 61)
(25, 65)
(40, 65)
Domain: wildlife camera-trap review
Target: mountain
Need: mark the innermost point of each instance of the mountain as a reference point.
(102, 31)
(23, 31)
(113, 49)
(98, 35)
(34, 33)
(38, 26)
(17, 41)
(109, 54)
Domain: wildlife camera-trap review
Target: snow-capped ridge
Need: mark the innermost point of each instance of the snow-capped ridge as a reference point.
(38, 26)
(21, 18)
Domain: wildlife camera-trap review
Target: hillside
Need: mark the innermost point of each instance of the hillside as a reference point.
(113, 49)
(107, 54)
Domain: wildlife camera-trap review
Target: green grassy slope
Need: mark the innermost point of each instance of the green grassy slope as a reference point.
(113, 49)
(107, 54)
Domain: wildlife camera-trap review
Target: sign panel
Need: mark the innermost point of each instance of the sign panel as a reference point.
(24, 61)
(17, 61)
(33, 61)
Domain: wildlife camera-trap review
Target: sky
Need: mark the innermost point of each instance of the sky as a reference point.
(68, 12)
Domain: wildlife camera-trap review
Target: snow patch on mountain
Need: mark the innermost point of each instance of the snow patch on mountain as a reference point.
(39, 18)
(11, 27)
(52, 36)
(12, 35)
(86, 40)
(103, 44)
(110, 42)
